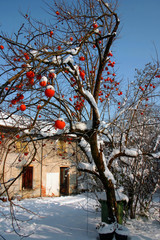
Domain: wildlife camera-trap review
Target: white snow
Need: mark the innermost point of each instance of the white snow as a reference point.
(82, 126)
(66, 218)
(109, 175)
(92, 100)
(90, 96)
(96, 30)
(28, 66)
(44, 50)
(83, 144)
(106, 228)
(107, 5)
(156, 155)
(73, 51)
(61, 218)
(132, 152)
(122, 230)
(46, 60)
(107, 172)
(87, 166)
(112, 155)
(104, 125)
(157, 142)
(47, 129)
(114, 152)
(57, 59)
(120, 195)
(52, 71)
(35, 53)
(13, 120)
(69, 59)
(44, 78)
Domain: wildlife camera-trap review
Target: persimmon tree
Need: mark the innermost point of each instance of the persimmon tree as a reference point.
(66, 71)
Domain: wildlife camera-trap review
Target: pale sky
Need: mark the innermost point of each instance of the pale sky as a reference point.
(140, 30)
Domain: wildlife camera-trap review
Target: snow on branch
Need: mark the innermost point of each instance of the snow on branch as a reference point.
(69, 59)
(83, 166)
(91, 100)
(57, 59)
(113, 154)
(120, 195)
(132, 152)
(107, 172)
(73, 51)
(156, 155)
(157, 142)
(87, 166)
(12, 120)
(117, 153)
(86, 148)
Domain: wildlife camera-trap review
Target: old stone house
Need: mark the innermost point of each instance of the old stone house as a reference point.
(36, 166)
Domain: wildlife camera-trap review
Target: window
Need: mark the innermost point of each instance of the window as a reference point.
(61, 147)
(27, 178)
(21, 146)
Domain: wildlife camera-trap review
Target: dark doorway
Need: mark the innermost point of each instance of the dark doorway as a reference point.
(64, 181)
(27, 178)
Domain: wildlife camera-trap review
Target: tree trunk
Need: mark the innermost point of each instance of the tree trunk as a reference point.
(107, 184)
(132, 211)
(131, 207)
(111, 202)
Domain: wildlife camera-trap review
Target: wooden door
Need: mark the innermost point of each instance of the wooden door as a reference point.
(27, 178)
(64, 181)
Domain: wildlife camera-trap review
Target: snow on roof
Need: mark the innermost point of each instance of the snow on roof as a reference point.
(82, 126)
(13, 120)
(44, 128)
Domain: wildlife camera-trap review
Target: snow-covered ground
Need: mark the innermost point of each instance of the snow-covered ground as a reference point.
(64, 218)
